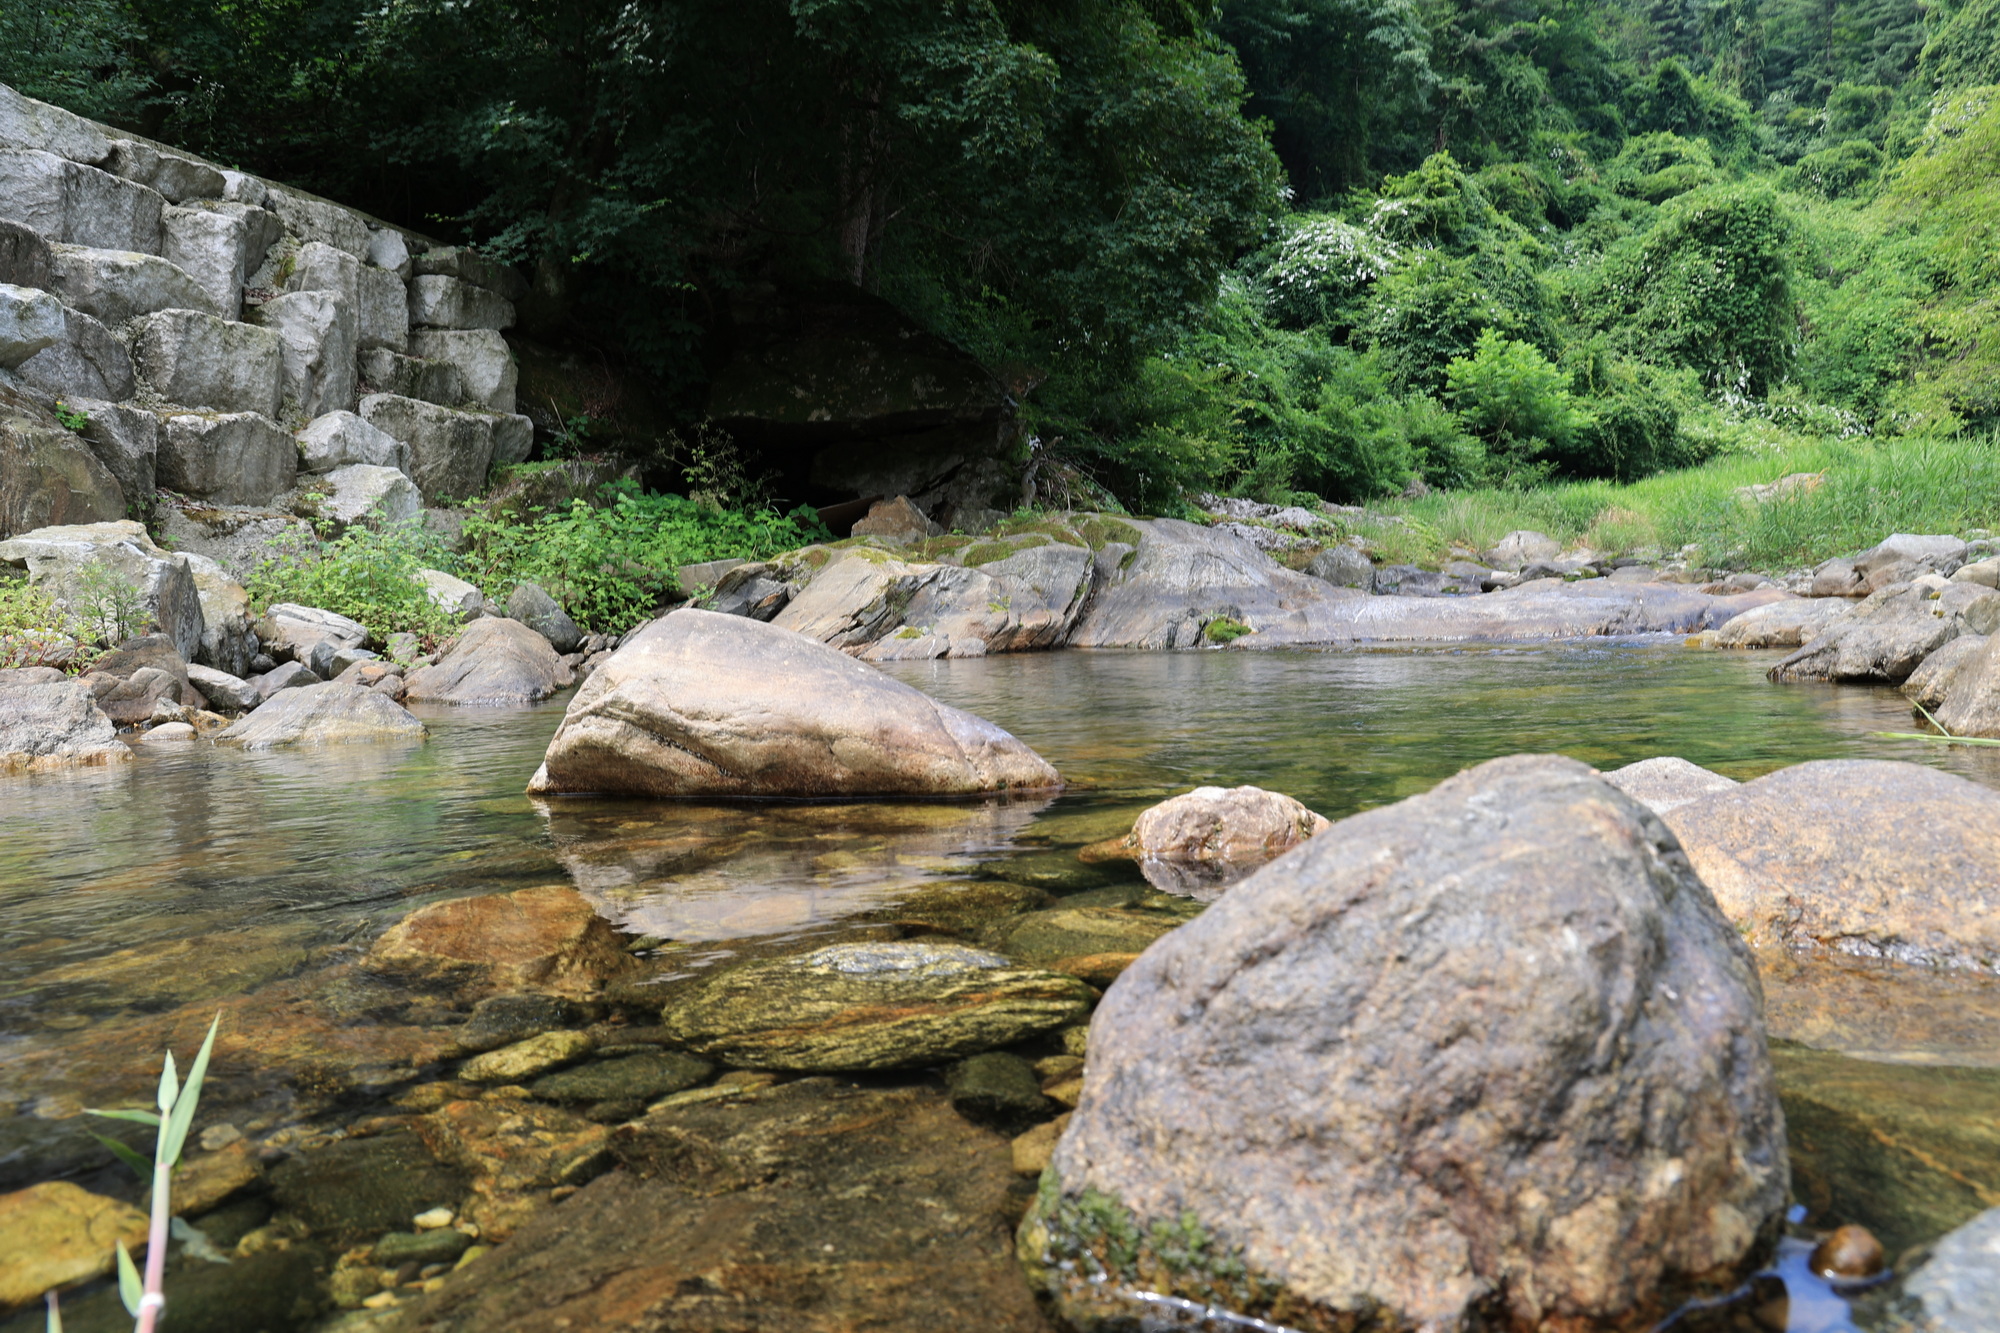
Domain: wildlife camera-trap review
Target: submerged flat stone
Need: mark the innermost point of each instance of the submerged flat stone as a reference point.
(871, 1006)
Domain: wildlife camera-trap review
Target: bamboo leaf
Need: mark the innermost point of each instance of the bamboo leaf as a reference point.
(136, 1117)
(175, 1133)
(1934, 740)
(130, 1289)
(169, 1085)
(127, 1154)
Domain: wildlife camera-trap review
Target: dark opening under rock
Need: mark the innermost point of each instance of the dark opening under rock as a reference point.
(997, 1089)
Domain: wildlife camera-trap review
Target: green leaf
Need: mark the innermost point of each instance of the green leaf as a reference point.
(176, 1131)
(130, 1289)
(136, 1117)
(169, 1085)
(129, 1155)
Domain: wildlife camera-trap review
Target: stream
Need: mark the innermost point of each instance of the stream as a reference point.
(137, 900)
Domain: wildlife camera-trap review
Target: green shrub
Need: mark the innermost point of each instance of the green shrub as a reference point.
(366, 575)
(34, 631)
(1517, 401)
(1840, 172)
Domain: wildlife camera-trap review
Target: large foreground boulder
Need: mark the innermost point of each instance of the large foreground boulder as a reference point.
(1487, 1058)
(701, 704)
(1866, 856)
(495, 661)
(1892, 631)
(329, 714)
(58, 725)
(1958, 1288)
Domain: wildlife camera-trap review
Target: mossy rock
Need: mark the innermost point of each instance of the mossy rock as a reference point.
(963, 907)
(641, 1077)
(1048, 937)
(354, 1188)
(997, 1089)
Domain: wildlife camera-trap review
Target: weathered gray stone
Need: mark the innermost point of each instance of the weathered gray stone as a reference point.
(1399, 1067)
(223, 690)
(1866, 857)
(1931, 683)
(541, 613)
(328, 714)
(1971, 705)
(228, 638)
(27, 123)
(1941, 554)
(219, 245)
(45, 727)
(388, 250)
(176, 176)
(86, 362)
(316, 330)
(311, 218)
(66, 201)
(240, 188)
(302, 633)
(47, 474)
(30, 320)
(117, 285)
(452, 594)
(1667, 782)
(513, 438)
(25, 257)
(447, 303)
(359, 491)
(1785, 624)
(125, 439)
(1892, 631)
(698, 703)
(1201, 841)
(34, 190)
(384, 371)
(55, 557)
(284, 676)
(450, 451)
(200, 360)
(339, 438)
(468, 265)
(1345, 567)
(1520, 548)
(320, 267)
(240, 538)
(382, 310)
(1958, 1288)
(232, 458)
(486, 369)
(494, 661)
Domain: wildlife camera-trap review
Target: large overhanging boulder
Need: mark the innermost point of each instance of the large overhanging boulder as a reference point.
(1486, 1058)
(701, 704)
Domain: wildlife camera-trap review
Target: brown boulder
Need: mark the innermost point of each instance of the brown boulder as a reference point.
(1202, 840)
(55, 1234)
(701, 704)
(494, 661)
(1489, 1057)
(1869, 857)
(544, 938)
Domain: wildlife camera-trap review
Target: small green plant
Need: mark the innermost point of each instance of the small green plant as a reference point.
(364, 574)
(1225, 630)
(145, 1297)
(107, 605)
(35, 632)
(72, 418)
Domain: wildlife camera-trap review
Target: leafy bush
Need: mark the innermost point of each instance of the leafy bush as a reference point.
(34, 631)
(1320, 264)
(611, 567)
(364, 574)
(1517, 401)
(1840, 172)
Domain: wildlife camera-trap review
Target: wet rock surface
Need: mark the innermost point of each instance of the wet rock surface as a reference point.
(494, 661)
(1295, 1153)
(547, 939)
(870, 1006)
(1868, 857)
(1892, 631)
(325, 714)
(1201, 841)
(705, 704)
(54, 1234)
(1970, 685)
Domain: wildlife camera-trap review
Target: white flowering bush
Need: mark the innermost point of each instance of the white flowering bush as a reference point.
(1322, 261)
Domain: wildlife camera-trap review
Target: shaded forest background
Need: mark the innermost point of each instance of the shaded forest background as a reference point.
(1338, 247)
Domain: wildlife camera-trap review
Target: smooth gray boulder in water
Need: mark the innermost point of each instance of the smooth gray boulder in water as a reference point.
(330, 714)
(52, 726)
(702, 704)
(1782, 624)
(1971, 688)
(1930, 685)
(1486, 1058)
(1958, 1288)
(494, 661)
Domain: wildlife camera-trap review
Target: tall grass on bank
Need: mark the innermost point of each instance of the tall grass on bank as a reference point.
(1870, 489)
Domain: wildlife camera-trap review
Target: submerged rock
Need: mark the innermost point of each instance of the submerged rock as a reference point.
(502, 1020)
(1205, 839)
(328, 714)
(361, 1187)
(56, 1234)
(870, 1006)
(1892, 631)
(701, 704)
(1865, 856)
(545, 938)
(1401, 1069)
(1666, 782)
(52, 726)
(494, 661)
(645, 1076)
(997, 1089)
(528, 1059)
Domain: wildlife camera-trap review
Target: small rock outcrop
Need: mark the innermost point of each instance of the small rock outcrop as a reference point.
(1971, 688)
(899, 1005)
(328, 714)
(1398, 1069)
(51, 726)
(1863, 856)
(1931, 683)
(1667, 782)
(701, 704)
(1892, 631)
(533, 607)
(1785, 624)
(1202, 840)
(1957, 1289)
(494, 661)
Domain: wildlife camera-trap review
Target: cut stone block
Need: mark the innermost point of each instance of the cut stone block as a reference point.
(387, 249)
(359, 491)
(27, 123)
(411, 377)
(339, 439)
(175, 176)
(313, 219)
(30, 320)
(382, 309)
(117, 285)
(125, 439)
(219, 245)
(228, 642)
(468, 265)
(440, 302)
(66, 201)
(239, 458)
(32, 190)
(324, 268)
(450, 451)
(47, 474)
(87, 362)
(25, 258)
(486, 370)
(317, 330)
(198, 360)
(239, 188)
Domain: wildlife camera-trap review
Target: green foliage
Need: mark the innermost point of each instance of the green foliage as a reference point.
(1658, 166)
(72, 418)
(1513, 398)
(106, 605)
(1847, 169)
(34, 631)
(366, 574)
(613, 566)
(79, 54)
(1223, 630)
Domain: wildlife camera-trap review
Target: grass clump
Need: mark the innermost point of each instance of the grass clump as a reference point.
(1224, 630)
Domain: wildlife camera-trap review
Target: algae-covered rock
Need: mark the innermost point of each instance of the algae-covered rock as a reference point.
(502, 1020)
(998, 1089)
(870, 1006)
(352, 1188)
(1046, 938)
(641, 1077)
(54, 1234)
(528, 1059)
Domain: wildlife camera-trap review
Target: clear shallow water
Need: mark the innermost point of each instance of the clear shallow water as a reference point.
(137, 899)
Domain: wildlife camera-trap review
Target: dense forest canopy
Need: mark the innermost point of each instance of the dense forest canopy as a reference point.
(1324, 245)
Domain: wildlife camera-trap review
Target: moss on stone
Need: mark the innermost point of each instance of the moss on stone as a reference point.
(1222, 629)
